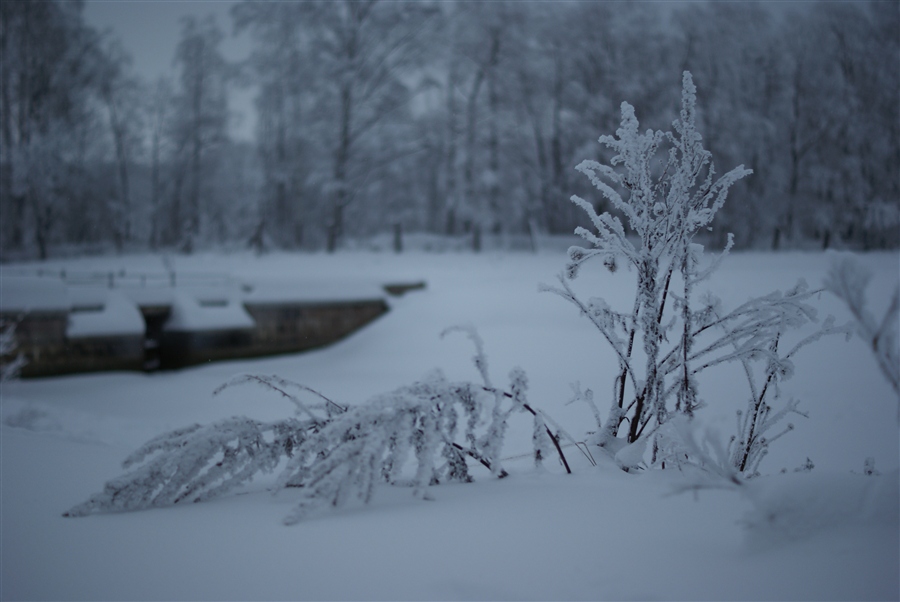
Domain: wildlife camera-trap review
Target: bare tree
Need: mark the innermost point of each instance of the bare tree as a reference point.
(49, 60)
(202, 111)
(159, 114)
(121, 93)
(364, 50)
(284, 77)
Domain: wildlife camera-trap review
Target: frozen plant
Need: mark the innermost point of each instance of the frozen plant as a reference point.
(754, 334)
(848, 280)
(869, 467)
(665, 210)
(198, 463)
(11, 363)
(418, 435)
(685, 450)
(665, 186)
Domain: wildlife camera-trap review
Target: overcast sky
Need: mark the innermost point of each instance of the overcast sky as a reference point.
(149, 30)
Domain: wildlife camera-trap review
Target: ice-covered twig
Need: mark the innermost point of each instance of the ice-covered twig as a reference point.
(11, 362)
(197, 463)
(280, 386)
(710, 455)
(336, 457)
(848, 280)
(480, 359)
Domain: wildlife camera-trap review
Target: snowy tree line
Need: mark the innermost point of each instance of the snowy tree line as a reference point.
(452, 118)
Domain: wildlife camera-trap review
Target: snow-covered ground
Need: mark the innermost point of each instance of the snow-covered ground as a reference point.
(831, 533)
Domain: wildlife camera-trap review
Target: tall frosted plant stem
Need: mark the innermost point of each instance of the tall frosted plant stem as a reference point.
(664, 185)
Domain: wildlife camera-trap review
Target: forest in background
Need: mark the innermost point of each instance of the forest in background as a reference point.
(452, 118)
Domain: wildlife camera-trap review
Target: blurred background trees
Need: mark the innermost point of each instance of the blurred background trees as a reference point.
(450, 117)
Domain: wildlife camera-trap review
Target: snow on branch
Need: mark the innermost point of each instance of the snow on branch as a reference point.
(11, 362)
(479, 358)
(848, 280)
(197, 463)
(282, 386)
(666, 186)
(419, 435)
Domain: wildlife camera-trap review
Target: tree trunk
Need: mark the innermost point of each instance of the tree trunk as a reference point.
(122, 227)
(398, 238)
(494, 149)
(154, 192)
(193, 209)
(451, 192)
(42, 223)
(472, 121)
(342, 158)
(193, 222)
(283, 216)
(176, 219)
(556, 131)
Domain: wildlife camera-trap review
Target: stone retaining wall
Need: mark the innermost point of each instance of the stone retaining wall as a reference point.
(279, 328)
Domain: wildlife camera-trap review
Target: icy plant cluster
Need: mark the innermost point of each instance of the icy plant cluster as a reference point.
(418, 435)
(665, 187)
(848, 281)
(197, 463)
(11, 362)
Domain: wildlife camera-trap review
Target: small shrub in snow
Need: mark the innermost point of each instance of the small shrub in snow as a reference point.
(848, 281)
(755, 332)
(418, 435)
(869, 467)
(671, 333)
(11, 362)
(198, 463)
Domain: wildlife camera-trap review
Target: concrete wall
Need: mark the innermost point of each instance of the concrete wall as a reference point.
(286, 327)
(280, 328)
(41, 338)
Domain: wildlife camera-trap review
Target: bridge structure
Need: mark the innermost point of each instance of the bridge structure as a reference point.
(68, 322)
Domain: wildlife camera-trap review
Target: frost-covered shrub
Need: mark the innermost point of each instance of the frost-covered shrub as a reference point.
(848, 280)
(198, 463)
(11, 362)
(664, 184)
(754, 335)
(418, 435)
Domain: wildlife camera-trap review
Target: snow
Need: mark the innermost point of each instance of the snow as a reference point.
(99, 312)
(631, 455)
(311, 290)
(199, 294)
(599, 533)
(191, 313)
(32, 294)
